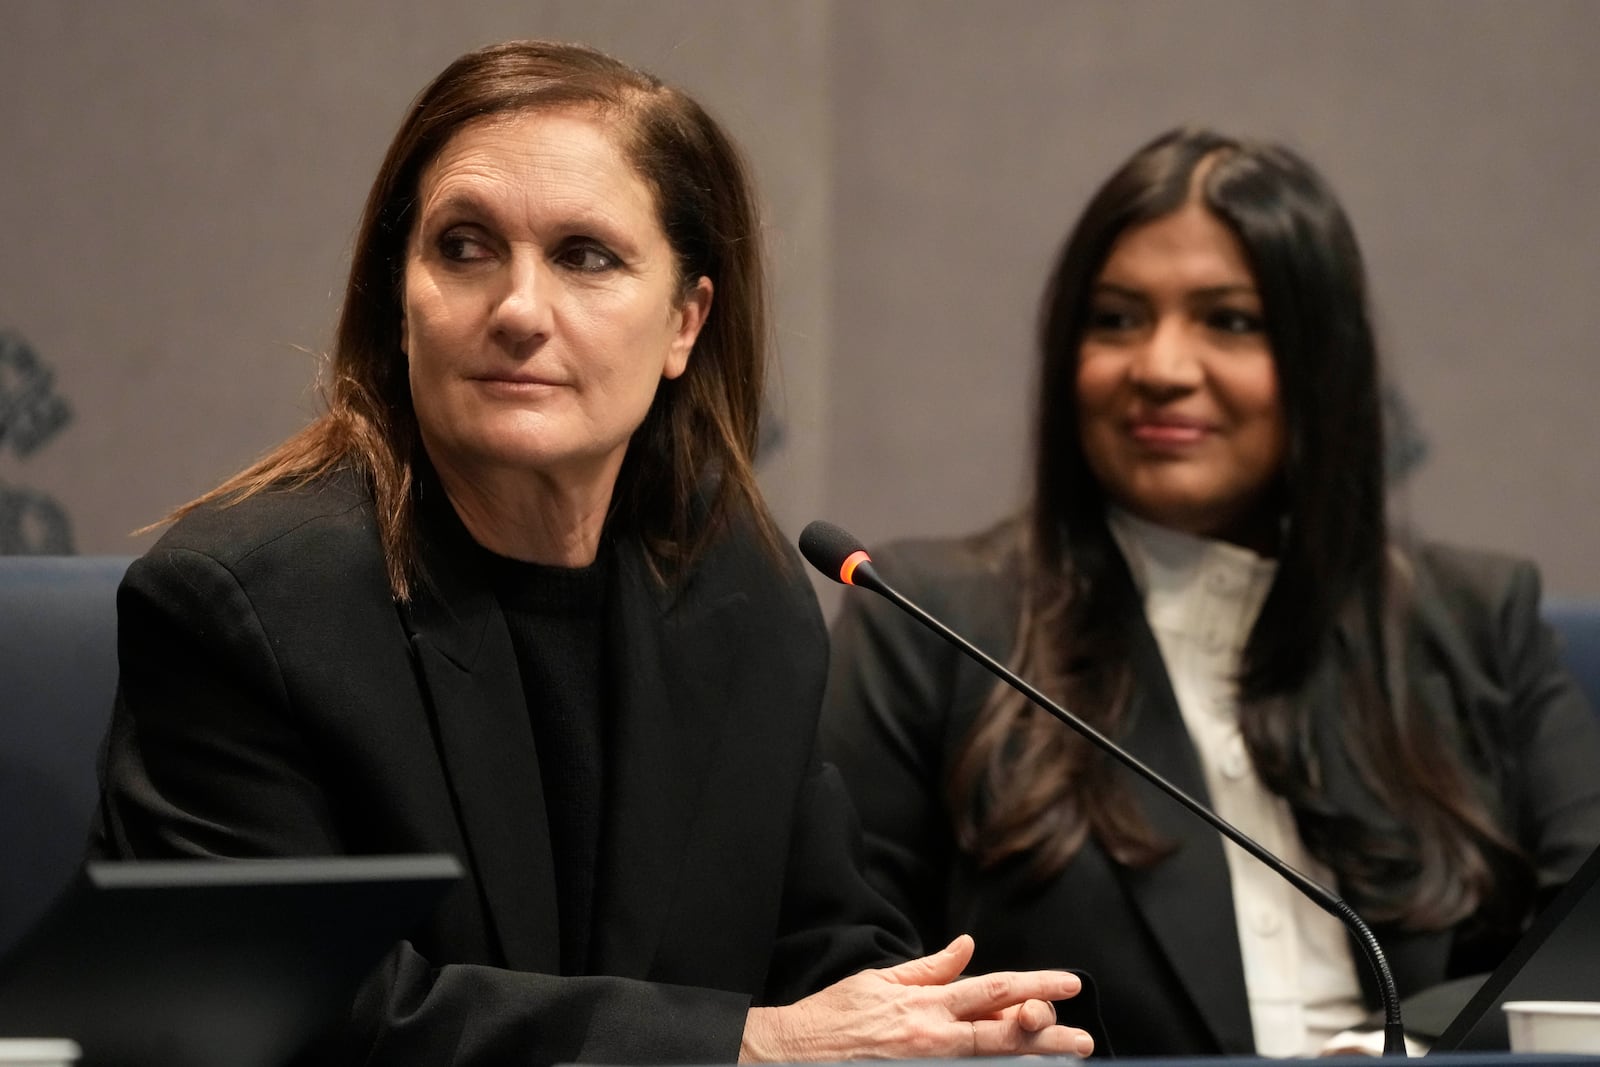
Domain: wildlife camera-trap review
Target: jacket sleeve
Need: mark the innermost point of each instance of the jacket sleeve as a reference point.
(413, 1013)
(1526, 720)
(206, 757)
(833, 923)
(1554, 736)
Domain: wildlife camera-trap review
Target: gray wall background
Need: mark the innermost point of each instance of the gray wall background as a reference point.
(181, 182)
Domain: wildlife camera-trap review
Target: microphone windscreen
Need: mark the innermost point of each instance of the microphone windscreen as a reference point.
(827, 547)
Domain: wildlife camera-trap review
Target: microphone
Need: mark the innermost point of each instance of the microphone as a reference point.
(838, 554)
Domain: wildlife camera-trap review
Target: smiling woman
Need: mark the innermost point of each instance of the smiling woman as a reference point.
(1177, 393)
(516, 597)
(1205, 574)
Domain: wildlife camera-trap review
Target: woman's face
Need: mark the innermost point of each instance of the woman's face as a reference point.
(541, 301)
(1178, 401)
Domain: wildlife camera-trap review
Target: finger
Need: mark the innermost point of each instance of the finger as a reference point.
(941, 968)
(987, 995)
(1035, 1015)
(1004, 1037)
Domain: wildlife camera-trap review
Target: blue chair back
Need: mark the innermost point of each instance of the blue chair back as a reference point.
(58, 677)
(1577, 627)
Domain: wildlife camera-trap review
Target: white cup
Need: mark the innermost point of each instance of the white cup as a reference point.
(1553, 1025)
(38, 1052)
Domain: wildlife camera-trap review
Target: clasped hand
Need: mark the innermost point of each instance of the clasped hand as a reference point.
(920, 1009)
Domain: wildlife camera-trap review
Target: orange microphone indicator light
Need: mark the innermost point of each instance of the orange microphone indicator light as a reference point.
(847, 569)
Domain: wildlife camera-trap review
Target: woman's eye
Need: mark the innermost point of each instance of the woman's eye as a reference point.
(587, 257)
(1233, 320)
(460, 247)
(1111, 320)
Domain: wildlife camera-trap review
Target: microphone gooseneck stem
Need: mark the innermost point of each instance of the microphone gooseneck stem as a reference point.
(1394, 1044)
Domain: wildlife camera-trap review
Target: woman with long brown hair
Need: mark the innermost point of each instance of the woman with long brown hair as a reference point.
(1205, 573)
(516, 597)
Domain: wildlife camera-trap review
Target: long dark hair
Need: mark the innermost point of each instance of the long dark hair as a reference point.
(702, 426)
(1338, 595)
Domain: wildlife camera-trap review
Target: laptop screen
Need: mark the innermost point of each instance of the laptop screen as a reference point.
(201, 962)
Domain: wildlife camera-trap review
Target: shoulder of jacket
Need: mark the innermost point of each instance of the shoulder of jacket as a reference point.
(979, 557)
(1460, 573)
(329, 519)
(1482, 603)
(971, 578)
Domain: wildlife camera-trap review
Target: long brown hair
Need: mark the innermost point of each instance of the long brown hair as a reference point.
(1022, 787)
(701, 429)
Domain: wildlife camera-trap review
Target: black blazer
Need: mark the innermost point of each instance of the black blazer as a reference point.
(276, 701)
(1162, 942)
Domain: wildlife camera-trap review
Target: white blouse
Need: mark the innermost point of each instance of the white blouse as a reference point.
(1201, 598)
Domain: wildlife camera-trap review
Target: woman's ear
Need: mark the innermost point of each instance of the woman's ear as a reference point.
(691, 312)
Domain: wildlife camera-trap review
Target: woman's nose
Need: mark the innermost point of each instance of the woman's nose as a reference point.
(1169, 359)
(523, 309)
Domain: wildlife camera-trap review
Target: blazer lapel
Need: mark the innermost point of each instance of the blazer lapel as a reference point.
(1186, 899)
(470, 672)
(670, 659)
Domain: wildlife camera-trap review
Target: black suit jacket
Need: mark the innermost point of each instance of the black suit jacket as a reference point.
(1162, 941)
(276, 701)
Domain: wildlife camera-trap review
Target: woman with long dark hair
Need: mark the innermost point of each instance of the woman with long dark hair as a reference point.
(1205, 573)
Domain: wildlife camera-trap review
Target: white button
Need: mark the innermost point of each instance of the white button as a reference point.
(1267, 922)
(1221, 582)
(1235, 764)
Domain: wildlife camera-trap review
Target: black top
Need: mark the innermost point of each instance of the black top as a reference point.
(556, 616)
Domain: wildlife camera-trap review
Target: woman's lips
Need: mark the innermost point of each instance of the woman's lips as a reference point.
(515, 386)
(1167, 433)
